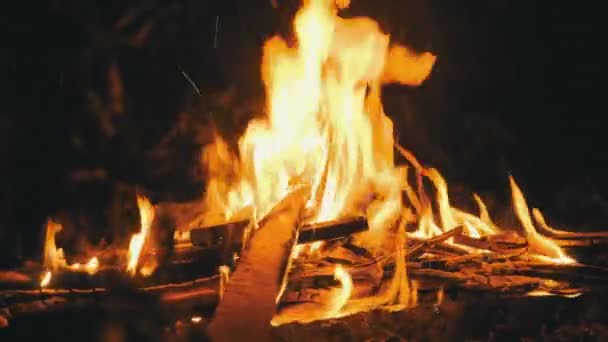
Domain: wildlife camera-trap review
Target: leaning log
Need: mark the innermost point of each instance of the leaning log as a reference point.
(250, 297)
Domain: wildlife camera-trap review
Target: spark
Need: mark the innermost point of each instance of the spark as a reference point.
(181, 71)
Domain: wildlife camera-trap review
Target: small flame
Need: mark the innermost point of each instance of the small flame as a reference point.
(541, 293)
(196, 319)
(54, 258)
(90, 267)
(440, 294)
(544, 248)
(146, 214)
(224, 278)
(340, 299)
(46, 279)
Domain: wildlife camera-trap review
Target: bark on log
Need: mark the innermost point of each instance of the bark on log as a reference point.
(325, 231)
(230, 234)
(250, 298)
(422, 245)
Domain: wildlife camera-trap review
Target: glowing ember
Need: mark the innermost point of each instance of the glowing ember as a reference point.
(540, 293)
(196, 319)
(146, 214)
(46, 279)
(90, 267)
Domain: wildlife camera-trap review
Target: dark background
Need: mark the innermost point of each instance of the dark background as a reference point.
(95, 105)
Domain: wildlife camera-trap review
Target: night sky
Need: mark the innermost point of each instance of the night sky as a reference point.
(516, 90)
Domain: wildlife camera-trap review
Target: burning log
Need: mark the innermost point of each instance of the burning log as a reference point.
(231, 233)
(330, 230)
(260, 275)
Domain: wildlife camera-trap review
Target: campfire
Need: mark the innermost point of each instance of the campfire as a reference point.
(311, 219)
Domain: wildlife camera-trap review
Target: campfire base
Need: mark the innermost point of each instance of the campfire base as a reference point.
(461, 315)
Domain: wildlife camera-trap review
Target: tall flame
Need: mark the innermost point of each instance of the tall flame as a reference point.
(325, 125)
(539, 244)
(146, 214)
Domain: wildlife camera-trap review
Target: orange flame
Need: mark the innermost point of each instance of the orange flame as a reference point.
(541, 246)
(53, 256)
(46, 279)
(146, 214)
(342, 297)
(54, 259)
(90, 267)
(325, 126)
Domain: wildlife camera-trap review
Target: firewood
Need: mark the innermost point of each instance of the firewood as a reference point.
(184, 296)
(501, 243)
(230, 234)
(574, 273)
(420, 246)
(329, 230)
(250, 297)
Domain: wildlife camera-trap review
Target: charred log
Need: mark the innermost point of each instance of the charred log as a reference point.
(230, 234)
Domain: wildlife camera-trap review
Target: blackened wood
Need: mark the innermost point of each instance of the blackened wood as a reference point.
(250, 297)
(220, 235)
(324, 231)
(230, 234)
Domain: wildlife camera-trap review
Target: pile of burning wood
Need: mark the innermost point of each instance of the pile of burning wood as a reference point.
(328, 272)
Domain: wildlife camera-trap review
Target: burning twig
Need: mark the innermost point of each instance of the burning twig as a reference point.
(230, 233)
(423, 245)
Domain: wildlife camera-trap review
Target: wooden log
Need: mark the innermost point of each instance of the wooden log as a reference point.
(251, 295)
(230, 234)
(176, 297)
(330, 230)
(574, 273)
